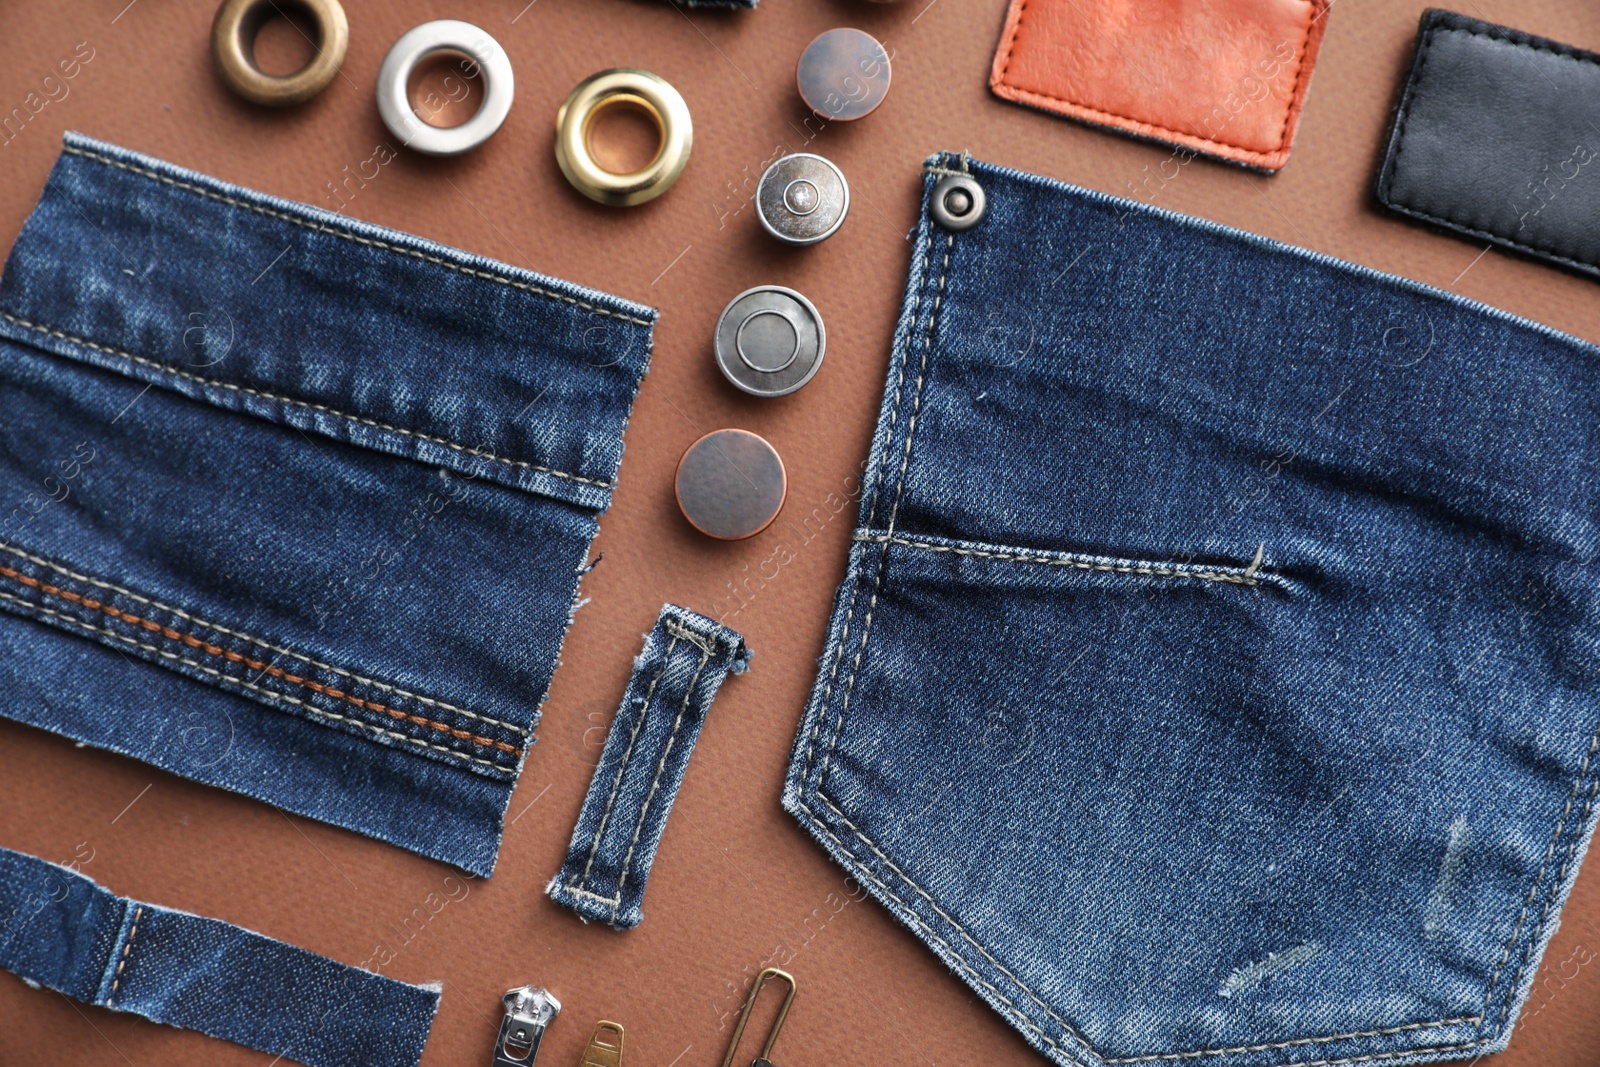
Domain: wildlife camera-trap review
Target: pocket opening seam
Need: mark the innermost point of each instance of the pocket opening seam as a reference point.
(1157, 570)
(173, 635)
(267, 695)
(157, 365)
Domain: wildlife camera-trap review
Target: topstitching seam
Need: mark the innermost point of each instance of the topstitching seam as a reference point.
(627, 753)
(267, 695)
(256, 665)
(1149, 569)
(322, 408)
(1030, 94)
(855, 595)
(133, 929)
(372, 242)
(661, 768)
(194, 621)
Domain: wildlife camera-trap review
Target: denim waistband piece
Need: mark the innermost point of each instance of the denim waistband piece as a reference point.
(292, 504)
(685, 658)
(1216, 675)
(61, 930)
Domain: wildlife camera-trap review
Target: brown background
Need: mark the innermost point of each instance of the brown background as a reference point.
(737, 883)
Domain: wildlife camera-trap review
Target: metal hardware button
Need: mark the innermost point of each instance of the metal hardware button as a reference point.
(731, 484)
(843, 74)
(233, 35)
(769, 341)
(958, 202)
(430, 38)
(802, 199)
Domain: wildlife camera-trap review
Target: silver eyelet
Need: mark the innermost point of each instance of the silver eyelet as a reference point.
(958, 202)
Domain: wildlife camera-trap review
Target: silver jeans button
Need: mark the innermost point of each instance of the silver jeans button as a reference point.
(958, 202)
(802, 198)
(769, 341)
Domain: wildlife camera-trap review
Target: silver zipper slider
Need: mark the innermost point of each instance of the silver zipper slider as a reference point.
(529, 1010)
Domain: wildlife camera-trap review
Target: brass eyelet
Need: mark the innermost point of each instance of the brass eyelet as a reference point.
(233, 35)
(623, 86)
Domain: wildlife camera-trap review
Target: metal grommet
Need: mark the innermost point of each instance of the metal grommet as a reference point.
(731, 484)
(802, 199)
(769, 341)
(958, 202)
(233, 37)
(430, 38)
(843, 74)
(623, 86)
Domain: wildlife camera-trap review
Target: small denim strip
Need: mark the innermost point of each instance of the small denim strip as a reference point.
(59, 929)
(685, 658)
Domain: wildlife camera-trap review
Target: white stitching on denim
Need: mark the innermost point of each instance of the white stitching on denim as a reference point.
(627, 753)
(894, 508)
(1533, 891)
(849, 615)
(1475, 1019)
(1155, 570)
(705, 644)
(1028, 1024)
(521, 731)
(324, 409)
(661, 767)
(572, 888)
(295, 220)
(1555, 886)
(267, 694)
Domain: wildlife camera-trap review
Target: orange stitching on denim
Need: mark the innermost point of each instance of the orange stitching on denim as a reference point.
(256, 665)
(138, 910)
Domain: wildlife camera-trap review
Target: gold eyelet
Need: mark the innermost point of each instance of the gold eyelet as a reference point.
(623, 86)
(233, 35)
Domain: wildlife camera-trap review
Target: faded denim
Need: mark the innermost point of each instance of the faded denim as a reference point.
(1216, 675)
(294, 505)
(60, 930)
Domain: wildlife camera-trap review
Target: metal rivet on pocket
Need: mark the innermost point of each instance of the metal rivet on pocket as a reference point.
(233, 35)
(802, 199)
(958, 202)
(769, 341)
(731, 484)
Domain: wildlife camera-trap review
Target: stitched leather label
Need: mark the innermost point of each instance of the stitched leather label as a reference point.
(1497, 138)
(1226, 78)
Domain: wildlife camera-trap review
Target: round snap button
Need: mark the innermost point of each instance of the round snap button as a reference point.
(802, 199)
(731, 484)
(843, 74)
(957, 203)
(769, 341)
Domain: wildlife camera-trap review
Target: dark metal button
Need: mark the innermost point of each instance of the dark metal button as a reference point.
(769, 341)
(958, 202)
(731, 484)
(843, 74)
(802, 198)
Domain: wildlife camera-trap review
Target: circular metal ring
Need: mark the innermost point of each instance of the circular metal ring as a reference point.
(431, 38)
(623, 86)
(233, 38)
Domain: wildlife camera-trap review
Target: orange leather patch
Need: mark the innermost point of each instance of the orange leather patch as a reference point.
(1224, 77)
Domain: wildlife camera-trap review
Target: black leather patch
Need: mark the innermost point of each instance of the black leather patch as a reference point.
(1497, 137)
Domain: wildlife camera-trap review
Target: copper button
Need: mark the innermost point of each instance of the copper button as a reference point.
(731, 484)
(843, 74)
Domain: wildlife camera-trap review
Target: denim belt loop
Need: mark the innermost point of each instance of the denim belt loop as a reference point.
(685, 658)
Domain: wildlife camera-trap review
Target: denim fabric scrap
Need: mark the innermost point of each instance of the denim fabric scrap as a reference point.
(685, 658)
(59, 929)
(291, 504)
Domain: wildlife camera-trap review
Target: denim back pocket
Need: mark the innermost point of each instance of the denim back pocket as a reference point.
(296, 506)
(1215, 675)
